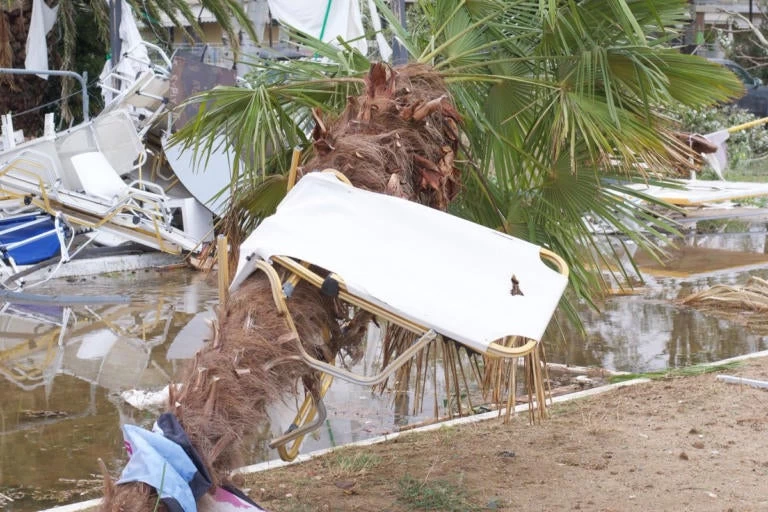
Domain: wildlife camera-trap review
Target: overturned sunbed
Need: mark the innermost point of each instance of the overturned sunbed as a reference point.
(426, 271)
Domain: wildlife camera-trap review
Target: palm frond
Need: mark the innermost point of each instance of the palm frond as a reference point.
(560, 103)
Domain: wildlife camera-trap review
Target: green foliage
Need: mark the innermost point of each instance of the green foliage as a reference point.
(562, 106)
(433, 495)
(688, 371)
(743, 146)
(350, 463)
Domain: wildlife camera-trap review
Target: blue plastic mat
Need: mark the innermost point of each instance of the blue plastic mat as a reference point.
(33, 252)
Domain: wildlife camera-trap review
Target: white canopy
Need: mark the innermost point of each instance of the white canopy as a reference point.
(41, 22)
(431, 267)
(325, 20)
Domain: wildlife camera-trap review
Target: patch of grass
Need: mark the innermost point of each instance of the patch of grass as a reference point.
(562, 408)
(346, 463)
(445, 435)
(436, 495)
(757, 202)
(688, 371)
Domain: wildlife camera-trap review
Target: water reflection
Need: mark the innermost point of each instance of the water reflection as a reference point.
(639, 333)
(63, 367)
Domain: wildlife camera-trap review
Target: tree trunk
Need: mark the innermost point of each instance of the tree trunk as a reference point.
(399, 137)
(20, 93)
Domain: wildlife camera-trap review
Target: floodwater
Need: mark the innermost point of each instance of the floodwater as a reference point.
(64, 368)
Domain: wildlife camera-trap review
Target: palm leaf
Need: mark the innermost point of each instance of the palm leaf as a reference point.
(560, 103)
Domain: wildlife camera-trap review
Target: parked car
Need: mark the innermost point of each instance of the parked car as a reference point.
(755, 100)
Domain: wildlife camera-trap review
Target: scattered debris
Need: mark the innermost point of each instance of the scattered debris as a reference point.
(143, 399)
(348, 486)
(28, 414)
(730, 379)
(746, 304)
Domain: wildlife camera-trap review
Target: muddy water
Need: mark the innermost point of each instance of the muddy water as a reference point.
(64, 368)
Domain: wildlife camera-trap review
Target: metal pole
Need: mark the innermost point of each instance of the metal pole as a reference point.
(399, 54)
(115, 17)
(81, 79)
(750, 11)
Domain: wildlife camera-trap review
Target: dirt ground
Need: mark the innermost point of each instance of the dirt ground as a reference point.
(683, 443)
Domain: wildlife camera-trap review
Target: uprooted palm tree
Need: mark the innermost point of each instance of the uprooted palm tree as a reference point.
(521, 115)
(402, 116)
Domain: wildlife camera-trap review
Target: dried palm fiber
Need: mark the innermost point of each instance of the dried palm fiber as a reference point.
(500, 376)
(407, 128)
(746, 304)
(400, 137)
(251, 362)
(6, 52)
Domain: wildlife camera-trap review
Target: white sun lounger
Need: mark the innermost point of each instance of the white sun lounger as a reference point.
(138, 211)
(425, 270)
(433, 269)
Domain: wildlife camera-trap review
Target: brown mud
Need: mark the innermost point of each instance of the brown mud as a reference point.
(683, 443)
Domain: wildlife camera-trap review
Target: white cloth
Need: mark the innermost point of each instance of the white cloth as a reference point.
(384, 49)
(344, 19)
(134, 59)
(433, 268)
(41, 22)
(719, 159)
(258, 12)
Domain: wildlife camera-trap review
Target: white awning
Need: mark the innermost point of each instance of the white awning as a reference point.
(324, 20)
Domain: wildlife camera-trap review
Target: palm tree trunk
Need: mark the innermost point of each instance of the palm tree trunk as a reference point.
(399, 137)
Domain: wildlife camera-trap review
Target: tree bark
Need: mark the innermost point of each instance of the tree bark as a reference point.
(20, 93)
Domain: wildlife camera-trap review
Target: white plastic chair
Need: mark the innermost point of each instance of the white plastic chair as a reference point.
(101, 181)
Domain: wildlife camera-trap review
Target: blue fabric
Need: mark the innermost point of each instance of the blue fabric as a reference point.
(161, 463)
(172, 429)
(33, 252)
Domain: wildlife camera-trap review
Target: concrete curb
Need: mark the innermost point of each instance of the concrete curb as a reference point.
(466, 420)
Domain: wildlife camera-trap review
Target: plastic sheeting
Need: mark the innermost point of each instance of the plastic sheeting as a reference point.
(343, 19)
(41, 22)
(134, 59)
(719, 159)
(438, 270)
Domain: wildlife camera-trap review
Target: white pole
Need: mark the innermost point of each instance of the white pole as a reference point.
(730, 379)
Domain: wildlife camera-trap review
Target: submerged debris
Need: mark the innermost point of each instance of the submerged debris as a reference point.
(743, 304)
